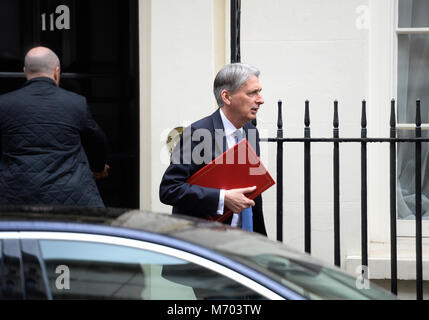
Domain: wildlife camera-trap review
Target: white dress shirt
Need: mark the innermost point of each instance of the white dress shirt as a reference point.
(230, 142)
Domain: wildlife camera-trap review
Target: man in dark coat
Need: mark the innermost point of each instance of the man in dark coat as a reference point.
(237, 91)
(42, 129)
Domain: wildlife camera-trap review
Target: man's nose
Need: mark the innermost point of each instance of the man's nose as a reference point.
(259, 99)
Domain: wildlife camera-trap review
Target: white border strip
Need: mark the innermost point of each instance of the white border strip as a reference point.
(147, 246)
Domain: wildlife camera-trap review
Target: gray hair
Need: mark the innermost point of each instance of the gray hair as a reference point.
(231, 77)
(41, 61)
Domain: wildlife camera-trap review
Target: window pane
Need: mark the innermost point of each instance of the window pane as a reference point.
(104, 271)
(413, 14)
(406, 177)
(413, 77)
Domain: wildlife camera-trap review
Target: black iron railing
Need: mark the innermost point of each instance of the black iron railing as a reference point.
(363, 140)
(235, 30)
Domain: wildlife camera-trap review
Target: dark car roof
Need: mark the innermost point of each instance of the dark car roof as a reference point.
(120, 217)
(198, 231)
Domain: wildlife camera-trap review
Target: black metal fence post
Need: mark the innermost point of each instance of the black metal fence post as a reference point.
(307, 179)
(364, 201)
(280, 173)
(418, 194)
(235, 30)
(337, 250)
(393, 241)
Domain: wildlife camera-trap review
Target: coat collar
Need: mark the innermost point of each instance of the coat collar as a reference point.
(219, 136)
(40, 79)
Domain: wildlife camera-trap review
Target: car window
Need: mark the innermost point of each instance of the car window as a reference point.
(11, 280)
(87, 270)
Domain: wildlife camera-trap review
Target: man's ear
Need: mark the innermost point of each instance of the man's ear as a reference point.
(226, 97)
(57, 74)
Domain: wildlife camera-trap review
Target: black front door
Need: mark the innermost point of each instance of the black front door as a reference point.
(97, 43)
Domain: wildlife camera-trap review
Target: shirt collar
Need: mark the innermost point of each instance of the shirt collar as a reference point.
(228, 126)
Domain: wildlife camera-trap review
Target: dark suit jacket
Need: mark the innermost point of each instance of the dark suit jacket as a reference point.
(42, 160)
(194, 200)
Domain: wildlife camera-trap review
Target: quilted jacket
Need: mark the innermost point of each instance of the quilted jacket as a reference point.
(42, 159)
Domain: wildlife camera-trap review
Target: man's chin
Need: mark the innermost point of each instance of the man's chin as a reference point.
(252, 116)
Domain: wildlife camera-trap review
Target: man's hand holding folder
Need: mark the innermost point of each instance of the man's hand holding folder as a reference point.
(236, 201)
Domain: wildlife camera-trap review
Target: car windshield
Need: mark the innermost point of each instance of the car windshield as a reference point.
(312, 280)
(308, 278)
(300, 272)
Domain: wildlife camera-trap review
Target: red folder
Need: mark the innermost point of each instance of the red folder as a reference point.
(237, 167)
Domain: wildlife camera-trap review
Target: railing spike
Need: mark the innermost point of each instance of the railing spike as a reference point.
(307, 113)
(363, 121)
(336, 118)
(392, 114)
(279, 118)
(418, 114)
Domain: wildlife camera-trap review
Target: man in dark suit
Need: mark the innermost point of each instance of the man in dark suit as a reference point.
(238, 93)
(42, 129)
